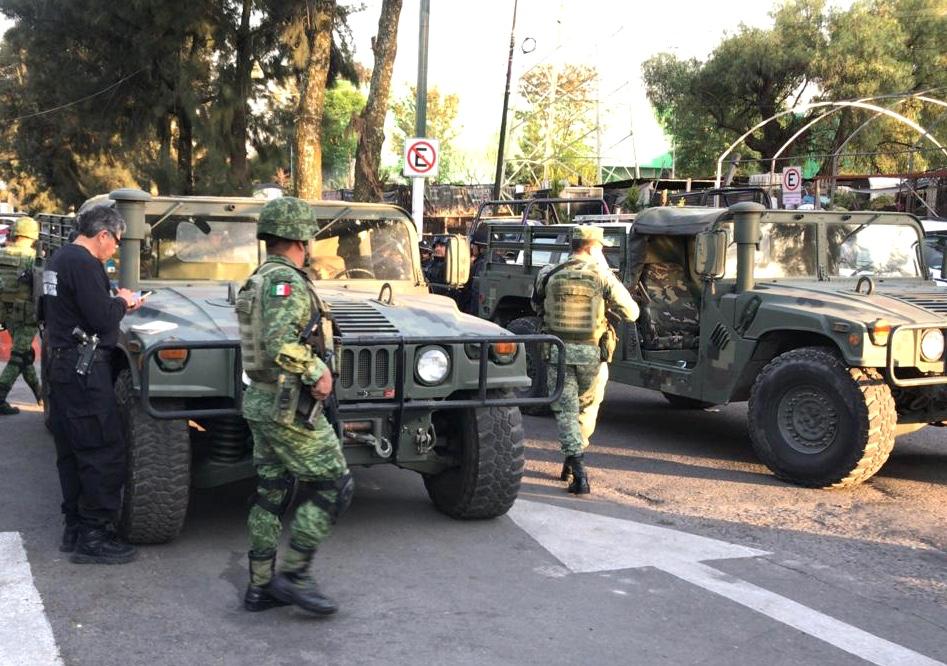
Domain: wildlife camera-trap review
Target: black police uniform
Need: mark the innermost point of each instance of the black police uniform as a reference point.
(83, 413)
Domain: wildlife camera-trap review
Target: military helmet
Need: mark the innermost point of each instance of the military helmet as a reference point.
(287, 217)
(587, 232)
(26, 227)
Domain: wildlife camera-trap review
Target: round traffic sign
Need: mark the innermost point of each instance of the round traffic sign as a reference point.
(792, 179)
(422, 156)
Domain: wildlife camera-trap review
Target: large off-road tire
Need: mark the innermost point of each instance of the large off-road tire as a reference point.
(159, 470)
(683, 402)
(488, 445)
(816, 422)
(535, 365)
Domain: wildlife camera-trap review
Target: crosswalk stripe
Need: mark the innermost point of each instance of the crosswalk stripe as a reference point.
(26, 638)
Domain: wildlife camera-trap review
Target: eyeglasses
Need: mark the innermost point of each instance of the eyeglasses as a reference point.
(114, 237)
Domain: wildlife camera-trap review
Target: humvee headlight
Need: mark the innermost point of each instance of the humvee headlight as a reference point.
(932, 345)
(432, 365)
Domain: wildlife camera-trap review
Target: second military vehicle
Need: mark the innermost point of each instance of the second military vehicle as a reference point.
(418, 384)
(827, 322)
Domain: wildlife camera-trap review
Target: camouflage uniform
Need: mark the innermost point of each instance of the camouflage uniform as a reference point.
(16, 310)
(286, 453)
(586, 373)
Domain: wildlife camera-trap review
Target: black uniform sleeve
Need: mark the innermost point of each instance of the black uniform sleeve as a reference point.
(97, 307)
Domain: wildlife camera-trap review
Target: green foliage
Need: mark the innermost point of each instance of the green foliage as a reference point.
(875, 47)
(343, 103)
(158, 95)
(440, 117)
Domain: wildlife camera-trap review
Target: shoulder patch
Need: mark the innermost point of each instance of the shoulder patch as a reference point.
(281, 289)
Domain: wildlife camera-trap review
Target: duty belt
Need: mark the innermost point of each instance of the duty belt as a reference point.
(101, 355)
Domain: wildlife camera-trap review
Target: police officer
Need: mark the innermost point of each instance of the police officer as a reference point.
(83, 413)
(572, 299)
(16, 309)
(274, 308)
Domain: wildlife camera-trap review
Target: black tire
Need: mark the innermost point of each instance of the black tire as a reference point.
(488, 444)
(535, 365)
(159, 470)
(683, 402)
(818, 423)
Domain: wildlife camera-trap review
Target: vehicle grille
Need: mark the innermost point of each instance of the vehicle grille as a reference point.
(359, 318)
(366, 368)
(929, 300)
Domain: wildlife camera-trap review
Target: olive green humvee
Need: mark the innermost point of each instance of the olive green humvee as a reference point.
(827, 322)
(419, 384)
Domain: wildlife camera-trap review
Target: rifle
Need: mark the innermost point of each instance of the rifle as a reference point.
(317, 334)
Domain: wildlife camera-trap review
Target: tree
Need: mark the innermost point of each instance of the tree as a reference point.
(557, 126)
(875, 47)
(441, 123)
(372, 120)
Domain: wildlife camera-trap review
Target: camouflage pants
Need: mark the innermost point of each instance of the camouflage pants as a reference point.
(582, 392)
(278, 451)
(21, 361)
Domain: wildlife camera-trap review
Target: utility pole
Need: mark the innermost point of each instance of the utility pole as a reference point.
(498, 179)
(420, 116)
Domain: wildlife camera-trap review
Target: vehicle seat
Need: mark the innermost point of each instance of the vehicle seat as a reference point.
(671, 309)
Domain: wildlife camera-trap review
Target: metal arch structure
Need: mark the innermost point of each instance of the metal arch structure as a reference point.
(900, 99)
(816, 105)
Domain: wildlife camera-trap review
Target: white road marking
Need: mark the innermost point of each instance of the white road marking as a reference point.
(586, 542)
(26, 639)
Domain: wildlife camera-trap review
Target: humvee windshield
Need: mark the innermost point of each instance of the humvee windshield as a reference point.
(790, 250)
(351, 249)
(880, 250)
(189, 248)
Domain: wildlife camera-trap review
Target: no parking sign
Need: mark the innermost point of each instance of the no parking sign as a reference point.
(420, 157)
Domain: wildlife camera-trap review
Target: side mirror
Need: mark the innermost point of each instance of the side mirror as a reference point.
(710, 254)
(457, 261)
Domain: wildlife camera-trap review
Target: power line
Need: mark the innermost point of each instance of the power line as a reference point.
(78, 101)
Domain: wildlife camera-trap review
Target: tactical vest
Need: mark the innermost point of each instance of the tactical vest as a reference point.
(16, 295)
(256, 363)
(574, 305)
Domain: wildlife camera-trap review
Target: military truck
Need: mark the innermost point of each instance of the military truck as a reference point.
(419, 384)
(826, 322)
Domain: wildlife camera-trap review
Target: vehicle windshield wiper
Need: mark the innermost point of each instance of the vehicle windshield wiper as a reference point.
(342, 213)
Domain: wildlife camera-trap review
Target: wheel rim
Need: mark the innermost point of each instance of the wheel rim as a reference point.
(808, 419)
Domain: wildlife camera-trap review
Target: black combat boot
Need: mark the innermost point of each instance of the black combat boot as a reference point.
(6, 409)
(566, 468)
(98, 544)
(580, 482)
(294, 585)
(258, 597)
(70, 534)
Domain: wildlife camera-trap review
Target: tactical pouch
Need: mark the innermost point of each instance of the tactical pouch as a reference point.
(287, 398)
(607, 344)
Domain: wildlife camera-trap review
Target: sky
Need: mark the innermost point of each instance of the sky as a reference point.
(469, 46)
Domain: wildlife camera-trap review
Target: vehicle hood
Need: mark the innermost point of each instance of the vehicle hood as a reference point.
(413, 314)
(204, 313)
(900, 302)
(184, 312)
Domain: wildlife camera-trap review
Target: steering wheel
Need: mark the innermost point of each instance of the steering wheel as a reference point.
(351, 272)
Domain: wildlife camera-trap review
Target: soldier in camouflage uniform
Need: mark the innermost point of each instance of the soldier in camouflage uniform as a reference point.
(274, 307)
(16, 309)
(572, 299)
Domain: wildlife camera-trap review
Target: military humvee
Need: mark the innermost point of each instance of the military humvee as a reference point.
(828, 323)
(419, 384)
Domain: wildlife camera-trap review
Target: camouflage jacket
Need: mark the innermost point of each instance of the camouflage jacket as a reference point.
(16, 298)
(286, 310)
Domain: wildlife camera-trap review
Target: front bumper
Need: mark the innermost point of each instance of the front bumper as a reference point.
(898, 348)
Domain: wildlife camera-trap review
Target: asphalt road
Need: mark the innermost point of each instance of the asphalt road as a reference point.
(687, 552)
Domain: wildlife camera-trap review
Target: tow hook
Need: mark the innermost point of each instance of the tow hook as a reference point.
(382, 446)
(425, 440)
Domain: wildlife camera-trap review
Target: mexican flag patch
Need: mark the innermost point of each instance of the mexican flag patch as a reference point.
(283, 289)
